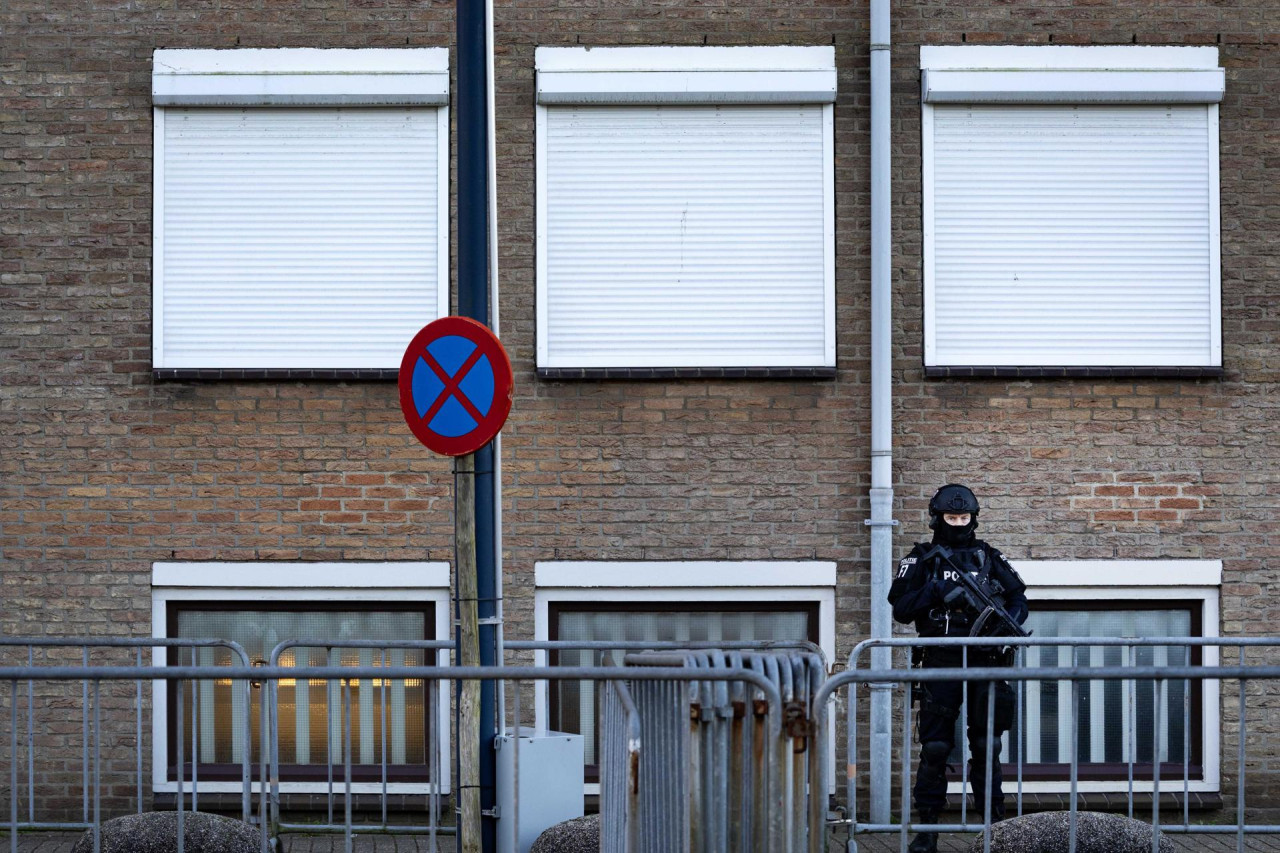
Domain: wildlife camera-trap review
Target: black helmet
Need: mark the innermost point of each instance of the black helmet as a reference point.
(953, 499)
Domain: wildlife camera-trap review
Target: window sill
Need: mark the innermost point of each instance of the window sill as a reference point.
(1116, 801)
(229, 802)
(978, 371)
(202, 374)
(555, 373)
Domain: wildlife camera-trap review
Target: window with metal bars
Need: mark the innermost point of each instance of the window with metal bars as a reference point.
(388, 718)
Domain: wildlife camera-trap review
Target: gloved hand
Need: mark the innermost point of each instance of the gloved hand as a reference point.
(960, 599)
(937, 591)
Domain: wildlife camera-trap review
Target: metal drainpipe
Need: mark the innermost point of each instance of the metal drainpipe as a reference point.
(491, 118)
(881, 521)
(473, 302)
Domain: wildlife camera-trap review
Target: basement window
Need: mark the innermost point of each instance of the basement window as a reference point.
(667, 601)
(261, 605)
(1118, 720)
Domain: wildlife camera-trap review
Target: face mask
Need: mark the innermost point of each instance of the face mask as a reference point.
(952, 536)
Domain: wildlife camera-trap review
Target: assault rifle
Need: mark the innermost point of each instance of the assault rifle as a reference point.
(980, 600)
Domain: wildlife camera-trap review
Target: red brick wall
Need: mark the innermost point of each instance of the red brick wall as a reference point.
(103, 471)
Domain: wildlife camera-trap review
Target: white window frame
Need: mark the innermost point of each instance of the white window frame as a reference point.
(731, 582)
(1091, 581)
(258, 582)
(301, 77)
(1054, 74)
(685, 75)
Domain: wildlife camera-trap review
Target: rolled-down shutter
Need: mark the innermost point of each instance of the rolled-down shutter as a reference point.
(1071, 235)
(679, 236)
(297, 237)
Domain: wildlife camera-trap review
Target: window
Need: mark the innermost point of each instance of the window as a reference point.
(1122, 598)
(573, 704)
(1071, 208)
(1117, 720)
(300, 207)
(260, 605)
(657, 601)
(685, 209)
(310, 712)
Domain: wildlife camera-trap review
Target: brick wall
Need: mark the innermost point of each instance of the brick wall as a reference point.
(104, 471)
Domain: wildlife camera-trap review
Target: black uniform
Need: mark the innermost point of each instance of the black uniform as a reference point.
(918, 595)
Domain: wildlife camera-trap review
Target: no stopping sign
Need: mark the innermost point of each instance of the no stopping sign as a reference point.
(455, 386)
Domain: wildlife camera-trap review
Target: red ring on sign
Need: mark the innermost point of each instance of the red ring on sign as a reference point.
(503, 383)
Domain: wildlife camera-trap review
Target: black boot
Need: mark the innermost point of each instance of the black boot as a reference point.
(997, 809)
(925, 842)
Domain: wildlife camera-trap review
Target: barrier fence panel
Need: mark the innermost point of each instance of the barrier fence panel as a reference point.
(269, 679)
(400, 724)
(1154, 683)
(28, 739)
(701, 749)
(715, 773)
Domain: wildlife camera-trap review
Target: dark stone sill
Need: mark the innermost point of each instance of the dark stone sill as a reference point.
(202, 374)
(228, 803)
(1170, 803)
(977, 371)
(557, 373)
(215, 374)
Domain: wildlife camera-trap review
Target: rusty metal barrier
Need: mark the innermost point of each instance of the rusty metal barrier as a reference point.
(701, 766)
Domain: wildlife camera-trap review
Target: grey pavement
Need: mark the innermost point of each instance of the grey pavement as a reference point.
(61, 842)
(958, 843)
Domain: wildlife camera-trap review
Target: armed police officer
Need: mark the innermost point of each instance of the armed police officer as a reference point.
(958, 586)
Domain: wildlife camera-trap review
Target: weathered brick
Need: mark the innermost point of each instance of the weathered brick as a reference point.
(102, 466)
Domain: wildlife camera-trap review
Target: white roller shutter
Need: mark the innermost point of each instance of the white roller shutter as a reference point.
(297, 237)
(677, 236)
(1071, 235)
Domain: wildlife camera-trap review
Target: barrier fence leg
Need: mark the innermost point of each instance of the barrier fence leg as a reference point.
(1017, 738)
(906, 771)
(97, 766)
(989, 756)
(1075, 765)
(346, 763)
(13, 766)
(178, 770)
(1157, 688)
(1240, 768)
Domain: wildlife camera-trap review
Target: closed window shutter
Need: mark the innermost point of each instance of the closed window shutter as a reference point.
(1071, 236)
(297, 237)
(683, 236)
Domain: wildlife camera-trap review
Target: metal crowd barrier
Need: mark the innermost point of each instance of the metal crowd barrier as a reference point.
(91, 728)
(436, 759)
(92, 677)
(731, 788)
(1128, 673)
(697, 767)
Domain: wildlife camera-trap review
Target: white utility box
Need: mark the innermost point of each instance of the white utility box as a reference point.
(549, 785)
